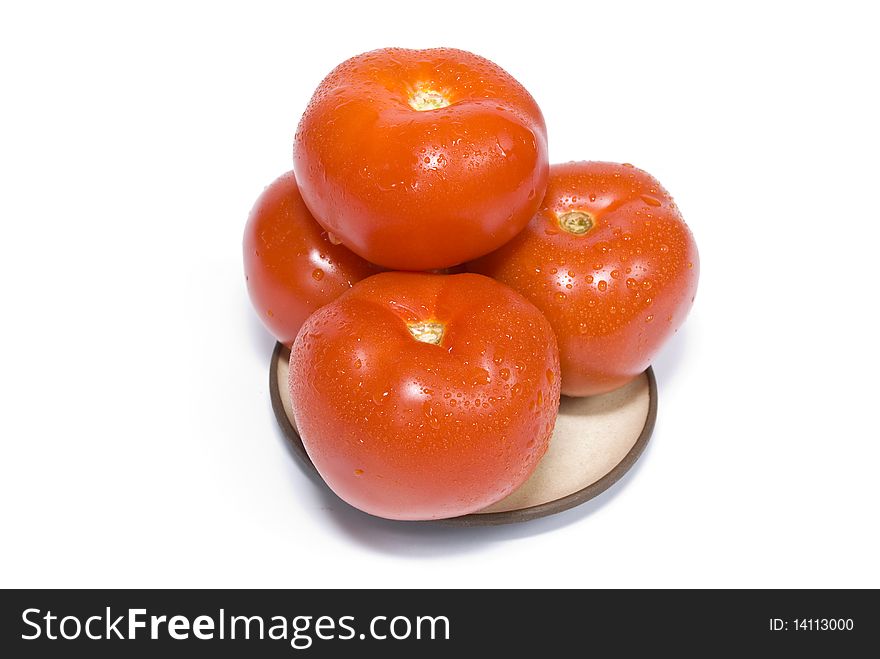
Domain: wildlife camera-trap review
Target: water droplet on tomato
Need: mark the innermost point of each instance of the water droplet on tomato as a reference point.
(317, 274)
(428, 411)
(481, 377)
(651, 201)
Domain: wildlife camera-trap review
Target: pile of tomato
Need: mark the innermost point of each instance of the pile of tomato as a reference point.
(440, 284)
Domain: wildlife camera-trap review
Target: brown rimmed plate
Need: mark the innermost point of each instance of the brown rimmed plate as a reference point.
(595, 442)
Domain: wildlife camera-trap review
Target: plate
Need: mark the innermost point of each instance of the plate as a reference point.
(596, 440)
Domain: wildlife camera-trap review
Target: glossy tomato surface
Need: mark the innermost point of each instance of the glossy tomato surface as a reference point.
(421, 396)
(421, 159)
(612, 265)
(290, 265)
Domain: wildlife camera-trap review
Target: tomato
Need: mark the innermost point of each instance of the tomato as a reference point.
(421, 159)
(423, 396)
(290, 265)
(612, 265)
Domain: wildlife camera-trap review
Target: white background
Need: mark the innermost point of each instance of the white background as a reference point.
(138, 444)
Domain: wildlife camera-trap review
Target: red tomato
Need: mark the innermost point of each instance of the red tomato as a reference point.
(290, 266)
(421, 159)
(612, 265)
(424, 396)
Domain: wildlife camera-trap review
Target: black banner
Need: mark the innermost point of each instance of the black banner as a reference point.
(289, 623)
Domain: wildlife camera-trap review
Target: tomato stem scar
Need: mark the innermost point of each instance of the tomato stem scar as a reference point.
(576, 222)
(427, 99)
(427, 332)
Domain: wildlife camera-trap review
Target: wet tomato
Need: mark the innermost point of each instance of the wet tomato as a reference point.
(612, 265)
(290, 265)
(421, 159)
(422, 396)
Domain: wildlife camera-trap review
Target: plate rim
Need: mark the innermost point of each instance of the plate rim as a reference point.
(479, 519)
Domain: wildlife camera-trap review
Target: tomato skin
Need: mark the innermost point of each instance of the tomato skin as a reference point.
(615, 294)
(291, 267)
(421, 190)
(409, 430)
